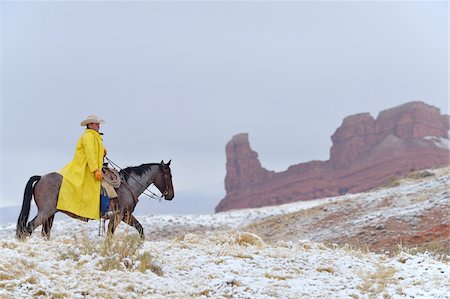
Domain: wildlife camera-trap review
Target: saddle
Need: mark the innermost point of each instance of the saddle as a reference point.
(108, 196)
(111, 181)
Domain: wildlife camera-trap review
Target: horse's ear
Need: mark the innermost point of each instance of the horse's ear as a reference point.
(168, 164)
(162, 161)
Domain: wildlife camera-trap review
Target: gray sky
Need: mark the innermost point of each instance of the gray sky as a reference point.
(176, 80)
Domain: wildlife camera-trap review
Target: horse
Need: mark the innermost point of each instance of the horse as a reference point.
(135, 180)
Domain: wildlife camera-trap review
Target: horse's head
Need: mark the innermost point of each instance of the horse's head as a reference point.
(163, 181)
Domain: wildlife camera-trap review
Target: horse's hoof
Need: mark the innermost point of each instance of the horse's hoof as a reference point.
(22, 236)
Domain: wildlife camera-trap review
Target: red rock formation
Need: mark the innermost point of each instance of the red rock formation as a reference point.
(412, 120)
(243, 166)
(366, 152)
(355, 136)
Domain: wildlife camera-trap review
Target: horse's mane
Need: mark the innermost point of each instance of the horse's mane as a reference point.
(137, 170)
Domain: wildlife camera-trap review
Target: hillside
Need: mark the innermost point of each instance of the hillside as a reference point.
(416, 213)
(290, 251)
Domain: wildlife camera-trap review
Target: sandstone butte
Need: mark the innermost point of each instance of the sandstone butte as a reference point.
(365, 153)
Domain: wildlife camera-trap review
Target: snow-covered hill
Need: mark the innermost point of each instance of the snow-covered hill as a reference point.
(256, 253)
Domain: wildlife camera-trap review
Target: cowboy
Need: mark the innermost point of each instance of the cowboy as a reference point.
(79, 194)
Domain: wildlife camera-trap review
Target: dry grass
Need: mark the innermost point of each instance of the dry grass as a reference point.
(242, 255)
(121, 252)
(391, 182)
(40, 293)
(326, 269)
(413, 175)
(277, 277)
(374, 284)
(20, 269)
(421, 174)
(437, 250)
(354, 249)
(269, 229)
(8, 244)
(246, 239)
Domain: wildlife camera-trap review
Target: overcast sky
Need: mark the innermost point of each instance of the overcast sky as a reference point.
(176, 80)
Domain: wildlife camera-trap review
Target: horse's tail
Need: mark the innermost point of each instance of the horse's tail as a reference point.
(25, 212)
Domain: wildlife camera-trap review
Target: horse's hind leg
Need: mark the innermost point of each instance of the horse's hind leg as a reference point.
(45, 218)
(47, 226)
(131, 220)
(46, 197)
(38, 220)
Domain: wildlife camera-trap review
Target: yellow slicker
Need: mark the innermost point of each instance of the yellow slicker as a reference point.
(80, 191)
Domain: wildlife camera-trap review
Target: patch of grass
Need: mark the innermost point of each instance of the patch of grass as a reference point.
(6, 276)
(326, 269)
(59, 295)
(269, 228)
(391, 182)
(77, 247)
(246, 238)
(437, 250)
(39, 293)
(8, 244)
(417, 175)
(242, 255)
(277, 277)
(71, 253)
(205, 292)
(121, 252)
(31, 280)
(9, 273)
(375, 283)
(307, 247)
(360, 248)
(121, 245)
(234, 283)
(146, 262)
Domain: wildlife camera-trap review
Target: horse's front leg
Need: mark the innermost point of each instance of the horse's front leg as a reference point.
(132, 221)
(113, 223)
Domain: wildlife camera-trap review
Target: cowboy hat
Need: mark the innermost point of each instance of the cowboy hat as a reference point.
(92, 119)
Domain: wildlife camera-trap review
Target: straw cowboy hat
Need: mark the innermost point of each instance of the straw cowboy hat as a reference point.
(92, 119)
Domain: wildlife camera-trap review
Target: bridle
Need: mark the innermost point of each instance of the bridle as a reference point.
(167, 175)
(152, 195)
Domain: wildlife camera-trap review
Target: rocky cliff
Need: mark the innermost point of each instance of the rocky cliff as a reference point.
(366, 153)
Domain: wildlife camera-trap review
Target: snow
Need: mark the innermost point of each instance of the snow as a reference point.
(220, 267)
(443, 143)
(235, 218)
(223, 263)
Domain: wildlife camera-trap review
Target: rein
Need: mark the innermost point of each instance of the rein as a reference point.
(152, 195)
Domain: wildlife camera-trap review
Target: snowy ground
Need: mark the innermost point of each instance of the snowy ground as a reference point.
(237, 265)
(210, 256)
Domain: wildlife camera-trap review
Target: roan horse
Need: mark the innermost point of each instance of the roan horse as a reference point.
(135, 180)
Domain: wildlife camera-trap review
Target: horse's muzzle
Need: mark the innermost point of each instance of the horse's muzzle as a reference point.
(168, 196)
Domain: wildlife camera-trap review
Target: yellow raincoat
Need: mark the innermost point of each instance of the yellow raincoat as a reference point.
(80, 191)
